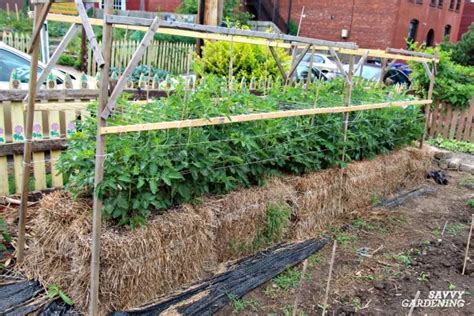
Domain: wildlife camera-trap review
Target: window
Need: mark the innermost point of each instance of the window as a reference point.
(458, 5)
(430, 38)
(10, 61)
(118, 5)
(419, 1)
(447, 30)
(452, 4)
(316, 59)
(433, 3)
(440, 3)
(412, 30)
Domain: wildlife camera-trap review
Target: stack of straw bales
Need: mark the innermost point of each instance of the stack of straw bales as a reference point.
(186, 244)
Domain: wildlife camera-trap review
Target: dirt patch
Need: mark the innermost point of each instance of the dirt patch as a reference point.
(411, 255)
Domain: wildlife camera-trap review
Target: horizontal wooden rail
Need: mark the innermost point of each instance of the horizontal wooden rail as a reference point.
(245, 40)
(42, 145)
(253, 117)
(126, 20)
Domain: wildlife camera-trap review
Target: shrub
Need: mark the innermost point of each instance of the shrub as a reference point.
(454, 83)
(154, 170)
(247, 60)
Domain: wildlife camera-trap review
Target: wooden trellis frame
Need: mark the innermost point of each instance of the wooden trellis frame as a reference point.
(152, 26)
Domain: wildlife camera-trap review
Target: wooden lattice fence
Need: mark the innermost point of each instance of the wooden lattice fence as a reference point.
(451, 123)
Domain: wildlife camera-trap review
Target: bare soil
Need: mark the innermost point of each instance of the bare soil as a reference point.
(408, 252)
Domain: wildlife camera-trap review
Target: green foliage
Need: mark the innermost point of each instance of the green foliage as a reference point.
(239, 305)
(470, 203)
(454, 82)
(455, 229)
(54, 292)
(9, 22)
(452, 144)
(191, 7)
(278, 220)
(404, 259)
(6, 238)
(462, 51)
(289, 279)
(155, 170)
(247, 60)
(292, 28)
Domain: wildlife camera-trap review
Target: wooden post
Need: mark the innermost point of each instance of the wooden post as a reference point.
(30, 110)
(200, 20)
(384, 69)
(99, 163)
(211, 12)
(328, 285)
(432, 75)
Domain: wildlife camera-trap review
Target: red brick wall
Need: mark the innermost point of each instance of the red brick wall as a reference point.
(371, 24)
(430, 18)
(162, 5)
(467, 18)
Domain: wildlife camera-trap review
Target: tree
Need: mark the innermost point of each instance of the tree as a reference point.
(463, 51)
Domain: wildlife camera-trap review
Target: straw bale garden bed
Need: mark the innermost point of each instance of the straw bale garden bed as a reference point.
(180, 203)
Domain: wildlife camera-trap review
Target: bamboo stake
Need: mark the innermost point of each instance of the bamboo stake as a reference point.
(328, 285)
(39, 9)
(414, 303)
(17, 13)
(467, 245)
(99, 164)
(303, 273)
(432, 75)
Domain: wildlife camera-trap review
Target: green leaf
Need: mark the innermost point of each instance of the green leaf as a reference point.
(66, 299)
(153, 187)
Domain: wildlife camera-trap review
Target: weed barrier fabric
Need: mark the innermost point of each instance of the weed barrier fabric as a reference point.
(16, 294)
(209, 296)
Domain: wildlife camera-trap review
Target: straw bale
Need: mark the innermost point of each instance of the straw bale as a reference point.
(363, 181)
(136, 265)
(186, 243)
(318, 200)
(241, 215)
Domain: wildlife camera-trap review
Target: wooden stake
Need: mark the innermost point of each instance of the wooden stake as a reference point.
(39, 21)
(303, 272)
(467, 245)
(414, 303)
(432, 75)
(99, 164)
(17, 13)
(30, 110)
(110, 107)
(331, 265)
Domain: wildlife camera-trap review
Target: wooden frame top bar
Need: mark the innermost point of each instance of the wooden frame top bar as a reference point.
(125, 20)
(410, 53)
(239, 39)
(253, 117)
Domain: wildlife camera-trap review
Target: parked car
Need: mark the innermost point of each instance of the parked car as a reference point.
(11, 58)
(373, 72)
(302, 72)
(323, 62)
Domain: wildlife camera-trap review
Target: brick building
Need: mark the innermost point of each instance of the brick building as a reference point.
(467, 17)
(371, 24)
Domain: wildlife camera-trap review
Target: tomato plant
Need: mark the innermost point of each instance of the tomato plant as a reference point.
(155, 170)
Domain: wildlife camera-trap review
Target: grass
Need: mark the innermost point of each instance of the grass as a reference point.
(467, 182)
(345, 239)
(376, 226)
(403, 258)
(277, 222)
(240, 304)
(455, 229)
(290, 279)
(470, 203)
(31, 183)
